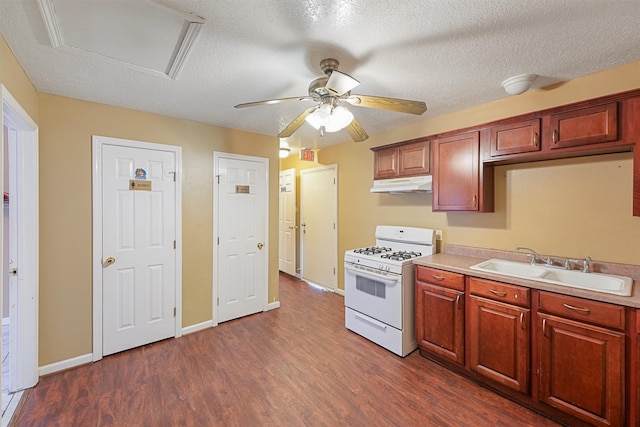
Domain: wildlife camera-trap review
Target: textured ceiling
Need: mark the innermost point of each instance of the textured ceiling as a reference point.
(451, 54)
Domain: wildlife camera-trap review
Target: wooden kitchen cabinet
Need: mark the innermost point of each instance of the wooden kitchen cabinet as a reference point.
(499, 332)
(409, 158)
(459, 176)
(590, 125)
(440, 313)
(581, 362)
(515, 138)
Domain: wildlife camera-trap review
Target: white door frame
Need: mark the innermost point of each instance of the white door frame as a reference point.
(216, 231)
(334, 255)
(24, 318)
(97, 143)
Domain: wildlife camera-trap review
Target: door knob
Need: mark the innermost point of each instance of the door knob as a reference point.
(110, 260)
(260, 245)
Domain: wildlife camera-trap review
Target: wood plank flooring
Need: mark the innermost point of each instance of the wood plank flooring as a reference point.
(294, 366)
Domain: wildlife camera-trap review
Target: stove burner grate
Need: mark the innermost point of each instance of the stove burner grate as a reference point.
(373, 250)
(401, 255)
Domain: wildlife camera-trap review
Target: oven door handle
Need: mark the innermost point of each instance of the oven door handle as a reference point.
(386, 278)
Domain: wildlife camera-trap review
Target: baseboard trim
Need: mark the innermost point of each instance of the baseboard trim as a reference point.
(65, 364)
(273, 305)
(340, 291)
(197, 327)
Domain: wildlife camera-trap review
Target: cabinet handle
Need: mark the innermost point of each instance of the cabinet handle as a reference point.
(521, 320)
(498, 293)
(536, 139)
(544, 327)
(440, 278)
(571, 307)
(458, 301)
(554, 136)
(475, 200)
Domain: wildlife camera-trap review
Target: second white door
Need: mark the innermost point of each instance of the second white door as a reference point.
(240, 247)
(319, 225)
(287, 222)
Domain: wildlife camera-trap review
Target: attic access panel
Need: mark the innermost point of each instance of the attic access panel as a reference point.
(140, 34)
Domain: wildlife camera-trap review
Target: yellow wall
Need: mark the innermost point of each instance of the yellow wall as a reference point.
(66, 127)
(574, 207)
(13, 77)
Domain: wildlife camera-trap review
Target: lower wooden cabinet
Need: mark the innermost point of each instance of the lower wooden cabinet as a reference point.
(499, 342)
(582, 358)
(562, 355)
(440, 321)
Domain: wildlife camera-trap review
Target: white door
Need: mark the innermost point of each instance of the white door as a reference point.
(240, 234)
(319, 226)
(20, 133)
(138, 246)
(287, 222)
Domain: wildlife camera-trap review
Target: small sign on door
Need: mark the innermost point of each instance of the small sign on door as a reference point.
(139, 185)
(242, 189)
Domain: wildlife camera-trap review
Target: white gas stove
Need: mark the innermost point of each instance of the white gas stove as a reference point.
(379, 286)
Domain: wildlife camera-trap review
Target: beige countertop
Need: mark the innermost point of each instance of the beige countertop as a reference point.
(458, 259)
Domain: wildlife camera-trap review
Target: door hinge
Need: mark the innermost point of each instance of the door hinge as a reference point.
(334, 271)
(218, 302)
(334, 225)
(218, 178)
(174, 312)
(334, 181)
(174, 244)
(218, 240)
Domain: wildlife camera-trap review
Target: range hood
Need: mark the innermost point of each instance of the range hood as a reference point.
(414, 184)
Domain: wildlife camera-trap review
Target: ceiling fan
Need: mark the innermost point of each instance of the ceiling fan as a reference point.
(329, 115)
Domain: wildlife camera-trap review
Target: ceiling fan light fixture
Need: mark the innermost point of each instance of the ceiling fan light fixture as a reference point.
(331, 120)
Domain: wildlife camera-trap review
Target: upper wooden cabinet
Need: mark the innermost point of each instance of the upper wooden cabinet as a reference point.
(410, 158)
(592, 125)
(459, 176)
(514, 138)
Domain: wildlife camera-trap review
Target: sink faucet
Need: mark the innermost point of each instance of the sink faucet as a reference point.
(585, 264)
(535, 256)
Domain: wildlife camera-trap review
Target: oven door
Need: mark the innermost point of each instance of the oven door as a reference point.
(375, 293)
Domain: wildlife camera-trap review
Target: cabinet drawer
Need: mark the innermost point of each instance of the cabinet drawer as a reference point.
(512, 294)
(597, 313)
(440, 277)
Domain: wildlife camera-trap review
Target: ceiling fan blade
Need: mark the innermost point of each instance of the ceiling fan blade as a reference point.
(274, 101)
(296, 123)
(356, 131)
(341, 83)
(393, 104)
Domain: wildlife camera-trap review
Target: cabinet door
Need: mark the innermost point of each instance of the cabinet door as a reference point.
(582, 370)
(456, 173)
(515, 138)
(414, 159)
(499, 339)
(385, 163)
(440, 321)
(584, 126)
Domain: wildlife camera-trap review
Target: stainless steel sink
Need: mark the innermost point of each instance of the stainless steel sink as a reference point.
(607, 283)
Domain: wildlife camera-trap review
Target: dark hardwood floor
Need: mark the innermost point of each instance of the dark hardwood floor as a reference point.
(294, 366)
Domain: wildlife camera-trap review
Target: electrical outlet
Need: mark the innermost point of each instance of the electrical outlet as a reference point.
(438, 234)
